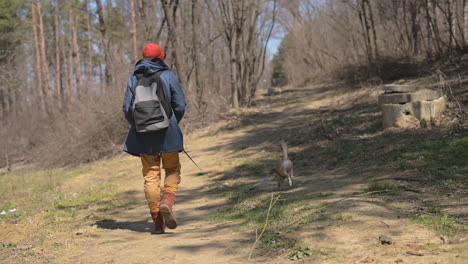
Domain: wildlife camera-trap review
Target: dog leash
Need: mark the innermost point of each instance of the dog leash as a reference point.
(248, 189)
(257, 184)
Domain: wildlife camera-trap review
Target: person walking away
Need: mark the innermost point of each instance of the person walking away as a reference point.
(154, 104)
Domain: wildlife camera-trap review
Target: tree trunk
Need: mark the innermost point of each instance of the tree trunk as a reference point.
(65, 83)
(143, 20)
(251, 52)
(263, 52)
(374, 33)
(134, 30)
(170, 13)
(37, 52)
(2, 104)
(432, 5)
(76, 52)
(465, 18)
(414, 27)
(365, 31)
(72, 91)
(105, 42)
(230, 30)
(90, 46)
(450, 22)
(199, 86)
(58, 80)
(429, 37)
(45, 65)
(458, 10)
(71, 68)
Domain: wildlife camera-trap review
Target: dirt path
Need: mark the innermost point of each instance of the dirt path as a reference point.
(124, 237)
(346, 230)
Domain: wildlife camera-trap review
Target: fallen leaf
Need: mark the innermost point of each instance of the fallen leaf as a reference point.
(414, 253)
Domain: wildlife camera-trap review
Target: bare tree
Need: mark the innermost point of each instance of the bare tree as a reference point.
(199, 85)
(71, 69)
(89, 72)
(44, 64)
(37, 51)
(76, 51)
(246, 37)
(231, 31)
(465, 20)
(104, 42)
(58, 79)
(170, 13)
(134, 29)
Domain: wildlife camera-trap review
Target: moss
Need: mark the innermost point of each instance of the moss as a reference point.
(441, 223)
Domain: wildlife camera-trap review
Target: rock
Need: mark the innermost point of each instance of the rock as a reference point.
(444, 239)
(408, 121)
(394, 98)
(393, 112)
(274, 91)
(420, 95)
(427, 112)
(385, 240)
(397, 88)
(398, 260)
(426, 95)
(79, 233)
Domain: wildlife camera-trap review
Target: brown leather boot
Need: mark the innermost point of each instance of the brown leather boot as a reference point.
(165, 208)
(158, 223)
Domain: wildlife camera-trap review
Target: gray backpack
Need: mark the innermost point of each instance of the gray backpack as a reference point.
(151, 107)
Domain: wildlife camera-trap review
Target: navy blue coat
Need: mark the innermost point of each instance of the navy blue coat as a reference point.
(165, 141)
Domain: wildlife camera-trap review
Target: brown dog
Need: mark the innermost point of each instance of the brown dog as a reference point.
(284, 167)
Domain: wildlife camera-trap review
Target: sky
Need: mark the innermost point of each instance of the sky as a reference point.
(273, 45)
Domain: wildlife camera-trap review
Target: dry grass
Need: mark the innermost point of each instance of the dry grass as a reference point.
(82, 133)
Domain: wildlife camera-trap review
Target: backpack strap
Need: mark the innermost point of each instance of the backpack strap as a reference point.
(158, 73)
(166, 104)
(157, 77)
(140, 74)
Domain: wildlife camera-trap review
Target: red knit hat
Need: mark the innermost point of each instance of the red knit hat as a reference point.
(152, 50)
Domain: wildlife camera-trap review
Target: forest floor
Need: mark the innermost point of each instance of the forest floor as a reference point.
(354, 183)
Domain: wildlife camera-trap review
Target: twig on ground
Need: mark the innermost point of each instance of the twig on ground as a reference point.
(385, 224)
(359, 261)
(258, 237)
(342, 199)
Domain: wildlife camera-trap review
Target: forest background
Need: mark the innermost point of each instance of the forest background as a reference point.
(64, 65)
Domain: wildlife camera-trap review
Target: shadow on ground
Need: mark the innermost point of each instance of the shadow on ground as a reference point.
(346, 142)
(338, 152)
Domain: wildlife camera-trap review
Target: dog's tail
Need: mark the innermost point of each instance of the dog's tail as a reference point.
(284, 146)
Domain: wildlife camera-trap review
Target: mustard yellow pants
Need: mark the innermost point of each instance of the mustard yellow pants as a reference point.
(152, 176)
